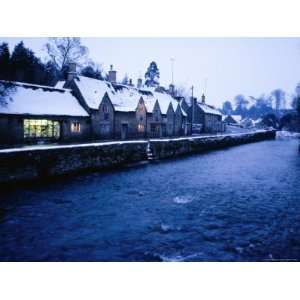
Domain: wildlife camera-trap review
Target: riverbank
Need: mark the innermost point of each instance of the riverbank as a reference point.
(39, 162)
(168, 148)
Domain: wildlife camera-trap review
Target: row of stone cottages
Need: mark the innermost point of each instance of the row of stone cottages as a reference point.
(81, 109)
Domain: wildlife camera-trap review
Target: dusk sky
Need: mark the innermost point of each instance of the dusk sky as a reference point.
(249, 66)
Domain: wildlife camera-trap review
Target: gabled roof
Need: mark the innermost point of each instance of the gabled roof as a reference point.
(237, 118)
(209, 109)
(93, 90)
(32, 99)
(123, 97)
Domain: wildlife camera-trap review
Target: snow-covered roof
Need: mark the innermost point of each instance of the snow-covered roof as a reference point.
(93, 90)
(123, 97)
(237, 118)
(34, 99)
(59, 84)
(209, 110)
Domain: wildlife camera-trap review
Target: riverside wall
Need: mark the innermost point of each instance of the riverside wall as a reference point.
(39, 162)
(169, 148)
(32, 163)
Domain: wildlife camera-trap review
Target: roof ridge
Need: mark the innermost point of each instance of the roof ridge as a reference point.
(26, 84)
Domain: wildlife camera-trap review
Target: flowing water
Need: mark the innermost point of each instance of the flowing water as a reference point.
(238, 204)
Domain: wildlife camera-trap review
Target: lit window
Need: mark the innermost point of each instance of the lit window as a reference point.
(41, 129)
(75, 127)
(141, 127)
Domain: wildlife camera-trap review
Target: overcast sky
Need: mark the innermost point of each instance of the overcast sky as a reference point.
(249, 66)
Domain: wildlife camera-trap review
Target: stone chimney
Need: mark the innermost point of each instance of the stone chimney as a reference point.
(71, 71)
(130, 82)
(194, 101)
(172, 89)
(203, 98)
(139, 83)
(112, 75)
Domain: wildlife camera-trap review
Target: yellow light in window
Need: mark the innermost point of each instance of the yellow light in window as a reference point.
(75, 127)
(141, 127)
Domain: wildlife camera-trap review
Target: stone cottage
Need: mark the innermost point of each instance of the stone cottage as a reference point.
(203, 118)
(34, 113)
(124, 111)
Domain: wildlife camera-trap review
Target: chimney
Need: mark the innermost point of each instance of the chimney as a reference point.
(139, 83)
(203, 98)
(194, 101)
(71, 71)
(130, 82)
(112, 75)
(172, 89)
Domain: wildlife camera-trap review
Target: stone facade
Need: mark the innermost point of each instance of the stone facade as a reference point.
(12, 129)
(154, 122)
(170, 121)
(206, 117)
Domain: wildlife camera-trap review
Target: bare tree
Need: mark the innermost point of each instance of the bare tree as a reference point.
(64, 50)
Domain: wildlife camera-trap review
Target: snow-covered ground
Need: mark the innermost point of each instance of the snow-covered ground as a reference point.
(238, 129)
(287, 135)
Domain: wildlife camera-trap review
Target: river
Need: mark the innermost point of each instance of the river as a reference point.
(237, 204)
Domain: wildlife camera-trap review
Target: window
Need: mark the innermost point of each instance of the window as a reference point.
(105, 108)
(106, 116)
(41, 129)
(75, 127)
(141, 128)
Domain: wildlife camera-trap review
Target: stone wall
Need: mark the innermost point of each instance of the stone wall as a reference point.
(41, 162)
(167, 148)
(37, 162)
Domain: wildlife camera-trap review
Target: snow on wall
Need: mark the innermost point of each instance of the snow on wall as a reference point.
(40, 100)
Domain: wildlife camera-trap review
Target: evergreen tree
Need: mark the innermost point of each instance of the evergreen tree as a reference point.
(92, 70)
(51, 74)
(26, 67)
(24, 64)
(4, 61)
(227, 108)
(152, 75)
(241, 105)
(6, 89)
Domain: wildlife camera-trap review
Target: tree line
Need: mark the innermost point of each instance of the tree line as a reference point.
(256, 107)
(23, 65)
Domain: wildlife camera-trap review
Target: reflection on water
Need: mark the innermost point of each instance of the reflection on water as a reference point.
(238, 204)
